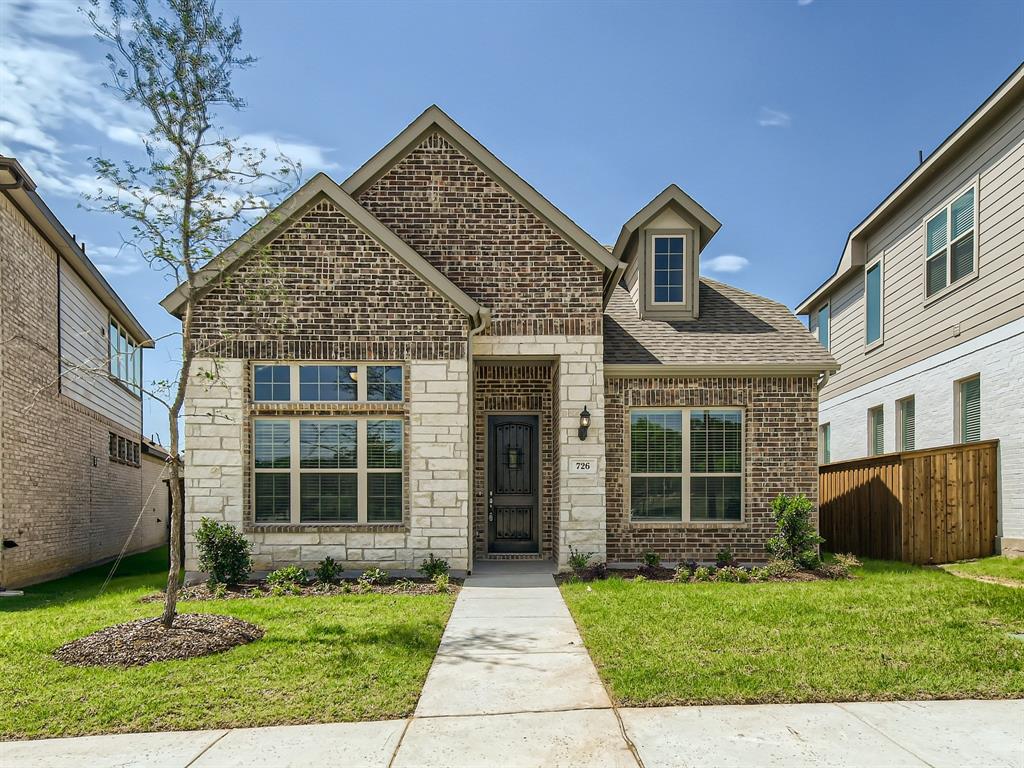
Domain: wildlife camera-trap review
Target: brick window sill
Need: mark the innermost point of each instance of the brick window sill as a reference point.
(692, 525)
(326, 528)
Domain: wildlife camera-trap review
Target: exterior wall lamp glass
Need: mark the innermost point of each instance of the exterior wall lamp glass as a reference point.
(584, 423)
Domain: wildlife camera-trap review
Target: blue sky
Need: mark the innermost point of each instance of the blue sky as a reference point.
(789, 121)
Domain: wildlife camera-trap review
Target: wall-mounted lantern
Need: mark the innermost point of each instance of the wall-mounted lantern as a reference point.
(584, 423)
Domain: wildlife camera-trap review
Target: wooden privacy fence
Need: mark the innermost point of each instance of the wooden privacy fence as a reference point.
(930, 506)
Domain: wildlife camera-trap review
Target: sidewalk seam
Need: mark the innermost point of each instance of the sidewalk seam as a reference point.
(207, 748)
(883, 734)
(401, 738)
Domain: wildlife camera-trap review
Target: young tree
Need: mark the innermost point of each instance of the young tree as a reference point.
(197, 187)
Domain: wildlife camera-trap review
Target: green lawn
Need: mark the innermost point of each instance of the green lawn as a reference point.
(895, 632)
(349, 657)
(1009, 568)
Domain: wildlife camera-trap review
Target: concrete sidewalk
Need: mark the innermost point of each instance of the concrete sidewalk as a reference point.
(512, 685)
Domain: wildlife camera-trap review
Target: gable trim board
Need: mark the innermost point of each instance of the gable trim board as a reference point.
(434, 120)
(288, 211)
(854, 254)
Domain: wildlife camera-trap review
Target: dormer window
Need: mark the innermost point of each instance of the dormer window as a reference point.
(669, 254)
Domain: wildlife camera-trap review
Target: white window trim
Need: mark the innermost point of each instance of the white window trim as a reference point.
(958, 406)
(293, 386)
(871, 431)
(900, 404)
(880, 261)
(817, 319)
(824, 429)
(947, 206)
(295, 470)
(686, 474)
(131, 360)
(659, 236)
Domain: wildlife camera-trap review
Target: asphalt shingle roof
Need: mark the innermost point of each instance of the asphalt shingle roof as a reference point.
(734, 328)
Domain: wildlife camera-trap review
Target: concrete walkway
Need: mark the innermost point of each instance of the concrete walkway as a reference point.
(512, 685)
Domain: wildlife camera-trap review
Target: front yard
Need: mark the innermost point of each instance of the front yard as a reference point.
(894, 632)
(1004, 569)
(323, 659)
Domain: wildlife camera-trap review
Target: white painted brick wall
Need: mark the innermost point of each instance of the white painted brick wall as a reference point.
(999, 358)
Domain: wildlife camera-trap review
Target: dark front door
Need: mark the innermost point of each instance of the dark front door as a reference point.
(512, 473)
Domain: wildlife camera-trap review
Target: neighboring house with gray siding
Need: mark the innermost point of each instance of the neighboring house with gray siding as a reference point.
(431, 358)
(71, 482)
(925, 312)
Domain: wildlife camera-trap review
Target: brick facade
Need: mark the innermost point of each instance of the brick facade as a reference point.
(63, 502)
(488, 243)
(509, 388)
(780, 456)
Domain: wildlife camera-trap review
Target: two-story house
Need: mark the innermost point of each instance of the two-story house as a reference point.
(430, 357)
(925, 311)
(71, 483)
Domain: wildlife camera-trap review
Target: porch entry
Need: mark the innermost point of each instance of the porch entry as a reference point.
(513, 479)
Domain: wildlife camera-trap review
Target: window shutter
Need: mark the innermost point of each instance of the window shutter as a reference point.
(970, 411)
(907, 427)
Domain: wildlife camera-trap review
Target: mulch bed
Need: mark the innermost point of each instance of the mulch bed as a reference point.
(144, 641)
(659, 573)
(257, 589)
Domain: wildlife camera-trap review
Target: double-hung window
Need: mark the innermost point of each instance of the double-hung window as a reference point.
(951, 243)
(905, 439)
(876, 431)
(686, 464)
(125, 357)
(667, 268)
(873, 303)
(328, 470)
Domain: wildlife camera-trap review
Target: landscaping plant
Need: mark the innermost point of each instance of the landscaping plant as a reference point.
(796, 538)
(683, 573)
(702, 573)
(290, 574)
(373, 577)
(224, 553)
(327, 570)
(578, 561)
(434, 566)
(725, 557)
(441, 583)
(651, 559)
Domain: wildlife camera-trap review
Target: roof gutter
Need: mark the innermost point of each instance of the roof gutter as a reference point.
(479, 324)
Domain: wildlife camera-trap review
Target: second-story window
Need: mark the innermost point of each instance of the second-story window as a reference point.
(950, 243)
(873, 303)
(667, 280)
(823, 325)
(125, 358)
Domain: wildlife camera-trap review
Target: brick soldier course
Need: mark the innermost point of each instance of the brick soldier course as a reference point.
(435, 256)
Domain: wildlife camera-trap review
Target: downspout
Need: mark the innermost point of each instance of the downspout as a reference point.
(479, 324)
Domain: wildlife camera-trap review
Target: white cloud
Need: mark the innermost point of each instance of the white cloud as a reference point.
(312, 157)
(115, 261)
(727, 262)
(804, 2)
(773, 118)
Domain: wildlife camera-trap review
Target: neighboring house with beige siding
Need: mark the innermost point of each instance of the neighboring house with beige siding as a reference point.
(71, 481)
(456, 368)
(925, 313)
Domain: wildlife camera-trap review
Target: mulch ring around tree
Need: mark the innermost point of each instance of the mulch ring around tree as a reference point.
(255, 590)
(144, 641)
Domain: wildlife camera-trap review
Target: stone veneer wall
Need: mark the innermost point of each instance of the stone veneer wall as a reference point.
(579, 371)
(218, 414)
(780, 456)
(62, 500)
(503, 388)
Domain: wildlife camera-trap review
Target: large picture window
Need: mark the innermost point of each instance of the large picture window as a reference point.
(702, 483)
(328, 470)
(327, 382)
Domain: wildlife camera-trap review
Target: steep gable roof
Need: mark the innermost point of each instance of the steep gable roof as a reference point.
(434, 119)
(278, 220)
(672, 195)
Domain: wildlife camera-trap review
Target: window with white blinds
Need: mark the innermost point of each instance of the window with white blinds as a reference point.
(950, 243)
(876, 431)
(970, 409)
(686, 464)
(905, 426)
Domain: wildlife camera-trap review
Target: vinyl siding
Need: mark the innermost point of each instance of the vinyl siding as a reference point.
(913, 330)
(83, 342)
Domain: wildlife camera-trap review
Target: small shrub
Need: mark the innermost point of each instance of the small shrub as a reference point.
(779, 569)
(372, 577)
(282, 588)
(702, 573)
(224, 552)
(255, 592)
(578, 560)
(218, 590)
(731, 573)
(848, 560)
(346, 588)
(442, 583)
(683, 573)
(327, 570)
(652, 559)
(434, 566)
(289, 575)
(725, 558)
(795, 538)
(639, 578)
(758, 574)
(693, 565)
(405, 584)
(834, 570)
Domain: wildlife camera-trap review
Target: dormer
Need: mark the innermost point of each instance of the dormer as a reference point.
(661, 247)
